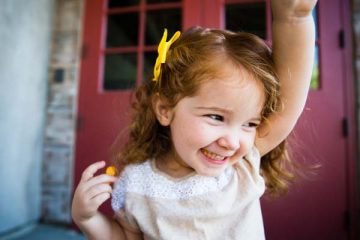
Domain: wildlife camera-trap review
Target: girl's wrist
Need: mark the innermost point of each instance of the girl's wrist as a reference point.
(293, 20)
(85, 223)
(82, 220)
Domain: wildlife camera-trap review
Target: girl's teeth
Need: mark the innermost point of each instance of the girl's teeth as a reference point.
(212, 155)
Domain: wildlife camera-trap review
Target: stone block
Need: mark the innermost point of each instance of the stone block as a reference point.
(56, 204)
(57, 166)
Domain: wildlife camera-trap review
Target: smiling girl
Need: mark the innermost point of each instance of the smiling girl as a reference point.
(204, 133)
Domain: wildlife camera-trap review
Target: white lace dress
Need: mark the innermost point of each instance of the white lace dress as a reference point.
(195, 207)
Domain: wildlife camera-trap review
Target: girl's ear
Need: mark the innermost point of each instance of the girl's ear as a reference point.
(163, 112)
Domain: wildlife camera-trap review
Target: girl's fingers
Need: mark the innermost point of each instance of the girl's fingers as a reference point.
(100, 199)
(103, 178)
(91, 170)
(96, 190)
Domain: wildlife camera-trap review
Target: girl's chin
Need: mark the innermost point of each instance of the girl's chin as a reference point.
(211, 172)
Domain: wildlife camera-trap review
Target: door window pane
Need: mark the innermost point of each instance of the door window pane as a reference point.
(315, 76)
(249, 17)
(149, 62)
(156, 21)
(315, 16)
(120, 71)
(122, 3)
(134, 29)
(122, 30)
(162, 1)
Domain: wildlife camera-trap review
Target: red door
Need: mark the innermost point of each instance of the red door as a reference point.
(119, 45)
(119, 42)
(322, 206)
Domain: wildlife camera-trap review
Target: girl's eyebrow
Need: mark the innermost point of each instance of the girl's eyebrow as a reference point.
(256, 119)
(217, 109)
(227, 111)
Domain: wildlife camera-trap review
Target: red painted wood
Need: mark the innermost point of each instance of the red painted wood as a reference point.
(192, 14)
(350, 110)
(102, 114)
(213, 14)
(144, 6)
(141, 40)
(243, 1)
(160, 6)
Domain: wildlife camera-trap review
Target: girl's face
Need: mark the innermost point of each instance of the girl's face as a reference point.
(215, 128)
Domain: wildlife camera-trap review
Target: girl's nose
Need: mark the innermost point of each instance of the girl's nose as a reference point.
(230, 142)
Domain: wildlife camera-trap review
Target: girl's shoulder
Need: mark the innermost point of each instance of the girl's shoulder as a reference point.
(130, 174)
(136, 170)
(254, 157)
(248, 170)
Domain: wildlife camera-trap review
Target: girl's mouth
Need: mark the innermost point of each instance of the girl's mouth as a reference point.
(212, 155)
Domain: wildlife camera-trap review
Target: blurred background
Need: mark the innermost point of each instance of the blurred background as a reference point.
(68, 69)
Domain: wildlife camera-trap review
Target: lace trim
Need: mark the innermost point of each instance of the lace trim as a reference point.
(142, 179)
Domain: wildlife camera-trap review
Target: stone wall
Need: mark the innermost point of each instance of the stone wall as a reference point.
(63, 80)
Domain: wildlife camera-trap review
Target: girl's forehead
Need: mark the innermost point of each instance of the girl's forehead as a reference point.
(234, 90)
(233, 75)
(235, 82)
(221, 67)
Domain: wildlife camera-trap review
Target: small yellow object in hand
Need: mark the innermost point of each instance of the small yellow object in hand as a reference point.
(162, 50)
(111, 170)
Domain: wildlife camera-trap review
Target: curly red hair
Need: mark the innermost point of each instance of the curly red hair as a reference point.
(191, 60)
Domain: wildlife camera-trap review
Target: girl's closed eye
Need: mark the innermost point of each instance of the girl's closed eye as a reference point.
(215, 117)
(252, 124)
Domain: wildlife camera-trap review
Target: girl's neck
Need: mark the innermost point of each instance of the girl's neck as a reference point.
(173, 166)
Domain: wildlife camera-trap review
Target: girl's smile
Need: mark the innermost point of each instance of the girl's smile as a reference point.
(213, 156)
(214, 128)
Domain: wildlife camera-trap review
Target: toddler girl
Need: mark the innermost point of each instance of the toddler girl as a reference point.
(218, 102)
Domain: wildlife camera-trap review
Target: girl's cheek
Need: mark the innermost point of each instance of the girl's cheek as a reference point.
(250, 142)
(246, 143)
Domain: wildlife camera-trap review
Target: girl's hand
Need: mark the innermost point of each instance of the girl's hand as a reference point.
(91, 193)
(292, 9)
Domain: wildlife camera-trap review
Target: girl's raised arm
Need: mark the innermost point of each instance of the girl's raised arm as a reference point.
(293, 53)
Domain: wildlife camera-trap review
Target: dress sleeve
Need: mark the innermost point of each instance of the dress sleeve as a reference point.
(118, 194)
(119, 201)
(254, 158)
(250, 166)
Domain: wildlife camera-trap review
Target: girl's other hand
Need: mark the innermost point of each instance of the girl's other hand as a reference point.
(292, 9)
(91, 193)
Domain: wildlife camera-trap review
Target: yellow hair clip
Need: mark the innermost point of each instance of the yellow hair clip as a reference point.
(162, 50)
